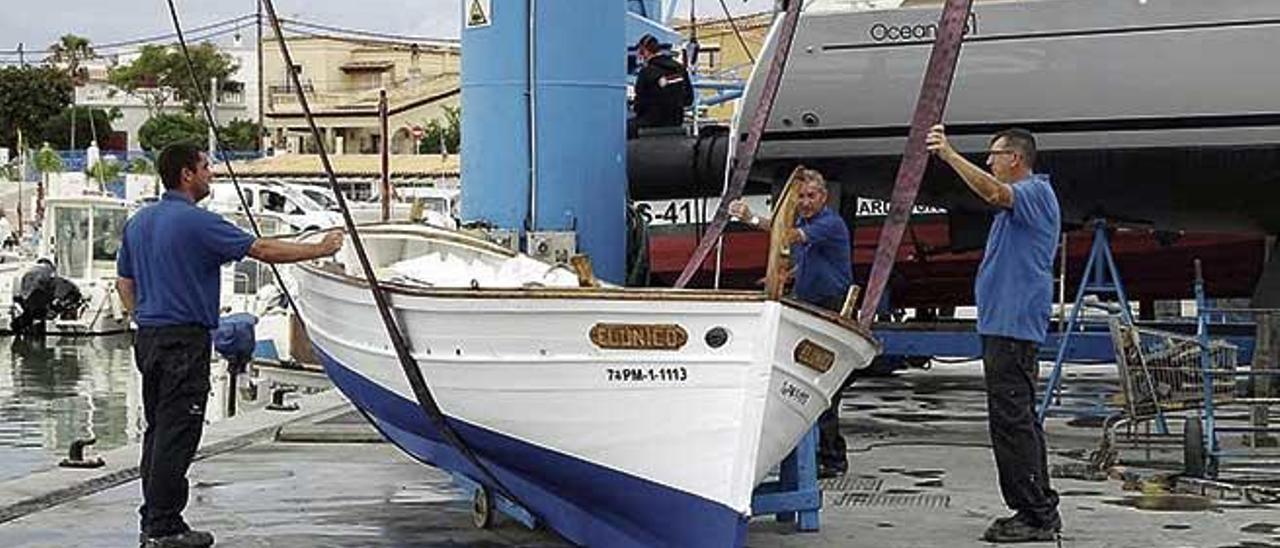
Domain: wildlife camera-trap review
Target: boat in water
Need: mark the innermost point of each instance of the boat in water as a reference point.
(79, 238)
(618, 416)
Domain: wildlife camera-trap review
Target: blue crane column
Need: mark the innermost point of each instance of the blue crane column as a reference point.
(548, 156)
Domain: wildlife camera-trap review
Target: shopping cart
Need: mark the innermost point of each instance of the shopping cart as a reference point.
(1163, 373)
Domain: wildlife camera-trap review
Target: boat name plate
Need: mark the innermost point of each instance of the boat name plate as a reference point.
(812, 355)
(634, 336)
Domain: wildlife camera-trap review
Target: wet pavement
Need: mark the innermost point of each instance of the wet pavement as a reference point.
(921, 475)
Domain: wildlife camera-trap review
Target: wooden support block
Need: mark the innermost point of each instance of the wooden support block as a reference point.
(586, 274)
(849, 309)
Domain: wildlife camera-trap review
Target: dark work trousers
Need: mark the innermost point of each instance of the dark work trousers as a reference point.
(832, 450)
(174, 362)
(1017, 439)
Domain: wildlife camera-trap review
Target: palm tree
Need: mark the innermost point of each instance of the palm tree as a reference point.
(69, 51)
(47, 161)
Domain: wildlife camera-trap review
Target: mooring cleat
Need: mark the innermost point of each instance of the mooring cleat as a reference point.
(76, 459)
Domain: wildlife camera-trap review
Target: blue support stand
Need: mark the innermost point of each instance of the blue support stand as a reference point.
(796, 492)
(1095, 282)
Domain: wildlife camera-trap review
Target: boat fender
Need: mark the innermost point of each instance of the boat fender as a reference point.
(76, 459)
(235, 340)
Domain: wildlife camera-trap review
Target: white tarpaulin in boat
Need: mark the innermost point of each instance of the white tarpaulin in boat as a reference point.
(448, 270)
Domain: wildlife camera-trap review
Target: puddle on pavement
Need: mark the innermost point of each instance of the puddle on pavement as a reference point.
(1262, 528)
(929, 483)
(927, 473)
(1088, 421)
(1078, 493)
(1176, 527)
(1167, 502)
(901, 491)
(928, 417)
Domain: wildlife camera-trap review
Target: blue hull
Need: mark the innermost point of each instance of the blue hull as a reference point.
(588, 504)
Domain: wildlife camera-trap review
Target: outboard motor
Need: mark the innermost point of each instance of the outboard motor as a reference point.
(32, 298)
(67, 301)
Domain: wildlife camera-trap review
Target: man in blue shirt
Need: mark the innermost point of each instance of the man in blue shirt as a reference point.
(822, 267)
(168, 270)
(1013, 292)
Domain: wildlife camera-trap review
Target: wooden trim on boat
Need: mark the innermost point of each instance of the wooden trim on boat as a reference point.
(829, 315)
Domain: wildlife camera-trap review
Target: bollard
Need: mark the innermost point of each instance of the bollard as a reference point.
(278, 403)
(75, 456)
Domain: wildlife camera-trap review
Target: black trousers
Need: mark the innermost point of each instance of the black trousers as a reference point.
(832, 449)
(174, 362)
(1017, 439)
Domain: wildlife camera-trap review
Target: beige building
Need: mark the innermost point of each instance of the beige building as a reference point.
(342, 78)
(721, 55)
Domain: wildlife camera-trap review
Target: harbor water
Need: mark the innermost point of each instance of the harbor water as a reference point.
(56, 391)
(63, 389)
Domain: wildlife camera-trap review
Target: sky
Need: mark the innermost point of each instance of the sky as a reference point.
(38, 23)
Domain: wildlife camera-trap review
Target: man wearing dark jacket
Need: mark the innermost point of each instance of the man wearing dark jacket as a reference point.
(662, 87)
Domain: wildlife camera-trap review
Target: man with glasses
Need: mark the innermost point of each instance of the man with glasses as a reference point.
(1013, 291)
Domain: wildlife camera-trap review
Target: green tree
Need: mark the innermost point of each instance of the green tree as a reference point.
(68, 53)
(160, 74)
(47, 161)
(446, 131)
(28, 97)
(165, 129)
(104, 171)
(240, 135)
(141, 165)
(57, 130)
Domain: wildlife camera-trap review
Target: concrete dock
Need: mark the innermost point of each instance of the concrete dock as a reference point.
(921, 475)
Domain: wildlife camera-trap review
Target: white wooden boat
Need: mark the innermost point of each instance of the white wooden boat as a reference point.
(621, 417)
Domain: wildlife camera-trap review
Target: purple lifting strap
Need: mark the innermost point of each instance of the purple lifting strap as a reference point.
(929, 107)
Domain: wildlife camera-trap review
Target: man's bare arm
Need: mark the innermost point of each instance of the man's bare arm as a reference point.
(984, 184)
(742, 211)
(124, 286)
(280, 251)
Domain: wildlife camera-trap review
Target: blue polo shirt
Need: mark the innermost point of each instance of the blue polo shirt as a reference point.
(1014, 287)
(823, 266)
(173, 252)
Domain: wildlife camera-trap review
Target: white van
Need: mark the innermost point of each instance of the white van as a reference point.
(292, 206)
(439, 204)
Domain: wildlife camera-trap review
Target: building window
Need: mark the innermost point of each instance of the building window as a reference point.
(288, 78)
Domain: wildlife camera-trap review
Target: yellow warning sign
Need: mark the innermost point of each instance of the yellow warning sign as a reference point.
(479, 13)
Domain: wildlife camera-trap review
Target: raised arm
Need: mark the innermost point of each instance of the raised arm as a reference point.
(984, 184)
